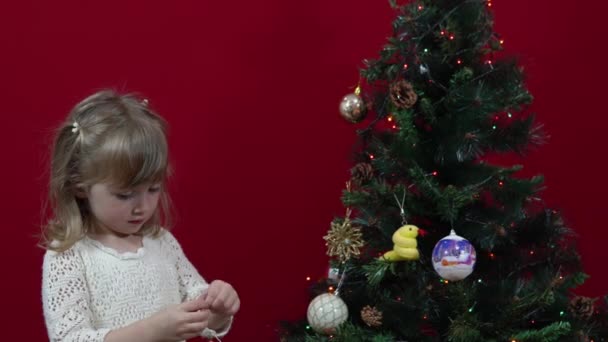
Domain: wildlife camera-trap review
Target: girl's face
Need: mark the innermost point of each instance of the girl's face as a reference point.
(123, 211)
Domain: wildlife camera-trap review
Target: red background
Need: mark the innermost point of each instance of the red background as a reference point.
(251, 90)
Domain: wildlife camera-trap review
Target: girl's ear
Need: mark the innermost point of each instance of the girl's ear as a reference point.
(81, 191)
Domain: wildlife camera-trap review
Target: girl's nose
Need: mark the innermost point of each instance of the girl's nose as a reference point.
(141, 205)
(144, 204)
(137, 210)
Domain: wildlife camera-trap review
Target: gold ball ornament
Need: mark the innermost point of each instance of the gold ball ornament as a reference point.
(353, 108)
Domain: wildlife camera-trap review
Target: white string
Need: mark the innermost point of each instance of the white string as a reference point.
(337, 292)
(400, 204)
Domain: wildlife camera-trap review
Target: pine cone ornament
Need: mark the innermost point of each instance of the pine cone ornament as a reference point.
(371, 316)
(582, 307)
(362, 173)
(402, 94)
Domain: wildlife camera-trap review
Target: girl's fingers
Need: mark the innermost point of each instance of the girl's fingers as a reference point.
(212, 292)
(192, 330)
(222, 297)
(232, 304)
(194, 305)
(234, 308)
(197, 316)
(220, 300)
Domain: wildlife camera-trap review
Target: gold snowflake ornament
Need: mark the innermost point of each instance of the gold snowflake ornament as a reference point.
(343, 240)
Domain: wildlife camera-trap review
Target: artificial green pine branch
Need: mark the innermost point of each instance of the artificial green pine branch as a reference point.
(550, 333)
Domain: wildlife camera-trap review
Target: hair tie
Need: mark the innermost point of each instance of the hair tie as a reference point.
(75, 127)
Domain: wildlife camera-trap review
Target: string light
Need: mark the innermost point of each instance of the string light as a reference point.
(371, 156)
(459, 61)
(502, 41)
(307, 278)
(509, 115)
(492, 255)
(451, 37)
(434, 173)
(442, 32)
(493, 126)
(390, 118)
(420, 7)
(501, 183)
(394, 126)
(531, 252)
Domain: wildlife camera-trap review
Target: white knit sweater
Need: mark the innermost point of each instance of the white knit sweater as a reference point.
(91, 289)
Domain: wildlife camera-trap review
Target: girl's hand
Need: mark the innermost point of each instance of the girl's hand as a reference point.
(223, 302)
(180, 322)
(222, 299)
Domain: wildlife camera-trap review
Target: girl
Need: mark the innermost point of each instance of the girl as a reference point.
(111, 272)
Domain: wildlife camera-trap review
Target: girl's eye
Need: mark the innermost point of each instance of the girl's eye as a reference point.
(156, 189)
(124, 196)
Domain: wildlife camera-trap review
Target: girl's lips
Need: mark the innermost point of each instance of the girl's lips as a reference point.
(136, 221)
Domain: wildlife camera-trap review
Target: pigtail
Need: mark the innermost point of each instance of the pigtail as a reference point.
(67, 226)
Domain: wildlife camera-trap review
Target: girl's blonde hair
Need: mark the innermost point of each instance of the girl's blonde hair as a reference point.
(111, 138)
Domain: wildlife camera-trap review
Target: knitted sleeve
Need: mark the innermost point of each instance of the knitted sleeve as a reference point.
(65, 297)
(192, 284)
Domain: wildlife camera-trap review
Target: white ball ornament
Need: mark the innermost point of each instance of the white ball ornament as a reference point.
(454, 257)
(326, 312)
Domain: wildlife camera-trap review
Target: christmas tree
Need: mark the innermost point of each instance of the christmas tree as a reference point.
(437, 243)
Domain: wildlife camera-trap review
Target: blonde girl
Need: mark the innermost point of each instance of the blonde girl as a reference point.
(112, 270)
